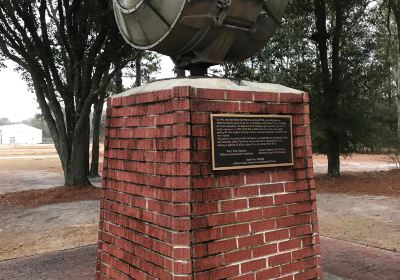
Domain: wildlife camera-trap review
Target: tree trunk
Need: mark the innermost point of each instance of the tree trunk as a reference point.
(333, 161)
(138, 65)
(398, 123)
(96, 121)
(397, 77)
(330, 78)
(119, 87)
(395, 7)
(77, 169)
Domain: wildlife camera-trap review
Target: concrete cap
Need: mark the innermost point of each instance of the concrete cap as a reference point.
(209, 83)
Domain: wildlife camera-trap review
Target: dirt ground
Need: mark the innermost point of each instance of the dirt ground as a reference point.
(25, 168)
(38, 214)
(39, 221)
(35, 198)
(31, 163)
(29, 167)
(364, 219)
(360, 206)
(31, 231)
(379, 183)
(24, 150)
(356, 163)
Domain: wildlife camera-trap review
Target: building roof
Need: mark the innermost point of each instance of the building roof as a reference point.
(18, 126)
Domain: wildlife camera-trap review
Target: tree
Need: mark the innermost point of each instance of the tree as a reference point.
(70, 50)
(5, 121)
(141, 70)
(98, 105)
(327, 48)
(344, 51)
(394, 6)
(330, 77)
(289, 57)
(379, 83)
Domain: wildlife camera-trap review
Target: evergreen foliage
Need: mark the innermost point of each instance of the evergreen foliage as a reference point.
(356, 110)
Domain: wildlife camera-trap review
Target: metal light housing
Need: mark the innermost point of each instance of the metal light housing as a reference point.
(199, 32)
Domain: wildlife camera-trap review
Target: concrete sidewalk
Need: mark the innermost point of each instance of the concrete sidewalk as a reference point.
(342, 261)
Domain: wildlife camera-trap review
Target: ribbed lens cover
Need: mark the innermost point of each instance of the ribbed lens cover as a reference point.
(144, 23)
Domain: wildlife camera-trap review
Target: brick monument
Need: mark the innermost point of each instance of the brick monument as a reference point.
(166, 214)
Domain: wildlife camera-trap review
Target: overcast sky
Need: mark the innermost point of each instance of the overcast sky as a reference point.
(17, 103)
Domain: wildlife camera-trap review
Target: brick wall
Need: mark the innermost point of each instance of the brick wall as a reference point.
(166, 215)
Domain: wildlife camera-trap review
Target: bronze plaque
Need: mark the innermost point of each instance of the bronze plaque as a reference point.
(251, 141)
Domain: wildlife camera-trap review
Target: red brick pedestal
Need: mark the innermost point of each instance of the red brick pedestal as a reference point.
(166, 215)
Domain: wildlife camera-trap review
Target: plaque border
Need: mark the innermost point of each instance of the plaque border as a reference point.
(250, 166)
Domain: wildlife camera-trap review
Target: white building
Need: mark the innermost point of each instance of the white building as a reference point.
(20, 134)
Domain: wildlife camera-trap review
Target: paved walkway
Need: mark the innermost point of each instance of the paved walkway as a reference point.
(74, 264)
(358, 262)
(342, 261)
